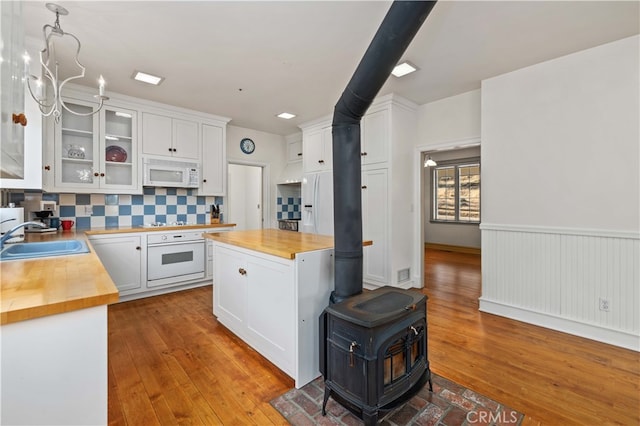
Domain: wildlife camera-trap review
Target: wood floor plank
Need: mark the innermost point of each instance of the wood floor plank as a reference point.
(171, 362)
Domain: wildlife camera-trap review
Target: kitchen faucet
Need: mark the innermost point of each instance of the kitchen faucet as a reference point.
(10, 232)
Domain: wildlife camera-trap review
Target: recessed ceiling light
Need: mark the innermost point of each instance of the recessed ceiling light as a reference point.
(286, 115)
(403, 69)
(147, 78)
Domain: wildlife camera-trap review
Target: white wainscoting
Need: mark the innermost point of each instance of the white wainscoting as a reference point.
(555, 278)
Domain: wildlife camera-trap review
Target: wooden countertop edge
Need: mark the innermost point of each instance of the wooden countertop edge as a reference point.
(33, 312)
(128, 230)
(286, 252)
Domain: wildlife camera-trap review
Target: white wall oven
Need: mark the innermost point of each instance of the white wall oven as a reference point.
(175, 257)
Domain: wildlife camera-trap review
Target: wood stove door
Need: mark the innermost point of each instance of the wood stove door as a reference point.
(404, 361)
(349, 366)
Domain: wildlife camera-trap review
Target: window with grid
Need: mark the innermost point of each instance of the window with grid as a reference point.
(456, 192)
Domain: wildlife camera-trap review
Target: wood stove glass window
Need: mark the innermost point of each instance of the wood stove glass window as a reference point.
(395, 362)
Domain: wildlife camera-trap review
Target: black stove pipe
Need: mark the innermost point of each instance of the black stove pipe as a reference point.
(400, 25)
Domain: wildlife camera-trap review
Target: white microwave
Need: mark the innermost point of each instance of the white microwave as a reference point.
(170, 173)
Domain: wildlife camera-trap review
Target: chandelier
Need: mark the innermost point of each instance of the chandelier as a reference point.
(53, 106)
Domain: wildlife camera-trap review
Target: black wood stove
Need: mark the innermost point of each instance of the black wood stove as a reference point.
(373, 351)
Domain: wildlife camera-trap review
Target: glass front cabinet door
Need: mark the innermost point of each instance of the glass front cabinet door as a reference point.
(118, 148)
(96, 152)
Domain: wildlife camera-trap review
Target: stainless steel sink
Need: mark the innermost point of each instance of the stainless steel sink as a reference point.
(43, 249)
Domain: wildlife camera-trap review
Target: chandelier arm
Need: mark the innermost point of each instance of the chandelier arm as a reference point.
(77, 53)
(83, 114)
(42, 105)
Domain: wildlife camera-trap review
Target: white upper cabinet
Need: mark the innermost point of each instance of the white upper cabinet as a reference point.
(21, 141)
(214, 161)
(170, 137)
(186, 140)
(375, 128)
(317, 146)
(294, 151)
(94, 153)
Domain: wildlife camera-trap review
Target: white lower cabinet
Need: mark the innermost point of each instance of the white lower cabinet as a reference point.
(122, 258)
(125, 255)
(375, 218)
(273, 304)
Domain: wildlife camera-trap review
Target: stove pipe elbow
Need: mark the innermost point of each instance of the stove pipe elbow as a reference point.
(400, 25)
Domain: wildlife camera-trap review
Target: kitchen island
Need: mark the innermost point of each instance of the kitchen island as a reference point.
(54, 338)
(270, 288)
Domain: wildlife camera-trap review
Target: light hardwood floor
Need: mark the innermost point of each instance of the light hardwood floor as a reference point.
(171, 362)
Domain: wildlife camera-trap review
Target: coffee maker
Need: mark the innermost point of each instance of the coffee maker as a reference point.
(40, 211)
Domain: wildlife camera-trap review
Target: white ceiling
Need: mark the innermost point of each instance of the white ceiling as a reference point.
(252, 60)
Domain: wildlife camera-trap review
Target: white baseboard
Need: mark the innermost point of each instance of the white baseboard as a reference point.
(593, 332)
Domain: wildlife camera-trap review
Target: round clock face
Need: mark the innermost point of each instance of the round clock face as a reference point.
(247, 146)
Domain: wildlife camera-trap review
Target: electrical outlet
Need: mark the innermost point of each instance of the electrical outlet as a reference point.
(88, 210)
(603, 304)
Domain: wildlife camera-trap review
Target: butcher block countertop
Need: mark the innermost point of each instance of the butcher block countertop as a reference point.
(34, 288)
(38, 287)
(276, 242)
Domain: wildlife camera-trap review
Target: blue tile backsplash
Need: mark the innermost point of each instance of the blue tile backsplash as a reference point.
(289, 208)
(113, 210)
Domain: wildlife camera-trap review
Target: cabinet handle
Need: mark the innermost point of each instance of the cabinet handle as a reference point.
(204, 180)
(138, 248)
(47, 167)
(19, 119)
(169, 149)
(174, 150)
(299, 154)
(242, 271)
(321, 161)
(364, 187)
(101, 174)
(362, 154)
(96, 174)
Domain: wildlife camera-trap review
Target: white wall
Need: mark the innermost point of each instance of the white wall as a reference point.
(270, 150)
(444, 125)
(560, 142)
(561, 193)
(451, 119)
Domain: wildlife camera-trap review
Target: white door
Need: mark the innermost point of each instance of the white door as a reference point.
(244, 204)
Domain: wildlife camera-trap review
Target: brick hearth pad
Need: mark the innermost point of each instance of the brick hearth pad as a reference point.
(449, 404)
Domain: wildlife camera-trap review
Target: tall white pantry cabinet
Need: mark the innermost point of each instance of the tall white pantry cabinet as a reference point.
(388, 132)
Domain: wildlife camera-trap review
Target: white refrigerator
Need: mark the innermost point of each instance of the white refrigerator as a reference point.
(317, 203)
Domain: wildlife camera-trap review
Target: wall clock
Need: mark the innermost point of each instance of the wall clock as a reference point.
(247, 146)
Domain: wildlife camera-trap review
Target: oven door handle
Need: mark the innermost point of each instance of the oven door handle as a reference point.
(175, 243)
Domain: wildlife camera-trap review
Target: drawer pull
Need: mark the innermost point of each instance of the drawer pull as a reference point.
(242, 271)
